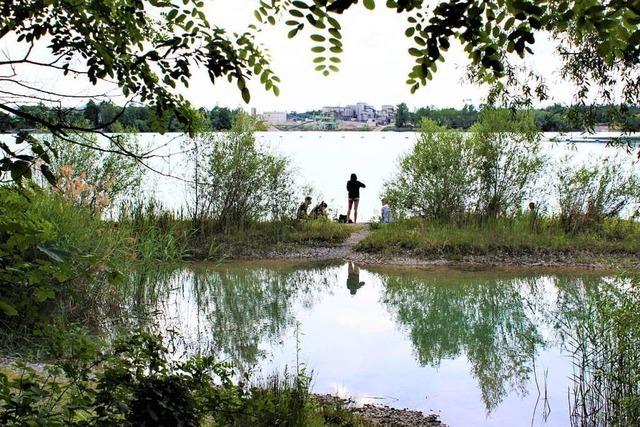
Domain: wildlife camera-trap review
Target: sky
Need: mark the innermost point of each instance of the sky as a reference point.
(374, 67)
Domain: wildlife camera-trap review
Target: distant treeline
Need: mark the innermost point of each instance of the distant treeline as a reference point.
(555, 118)
(112, 118)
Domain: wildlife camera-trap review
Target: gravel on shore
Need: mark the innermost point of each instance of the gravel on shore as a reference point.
(382, 415)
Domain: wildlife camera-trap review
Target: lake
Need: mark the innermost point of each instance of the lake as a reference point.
(324, 161)
(478, 348)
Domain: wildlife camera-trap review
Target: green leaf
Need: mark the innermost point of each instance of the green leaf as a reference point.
(369, 4)
(7, 308)
(292, 33)
(43, 294)
(246, 96)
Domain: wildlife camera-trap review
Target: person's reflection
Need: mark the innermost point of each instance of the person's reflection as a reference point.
(353, 279)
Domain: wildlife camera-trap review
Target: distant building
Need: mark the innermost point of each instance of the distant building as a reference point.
(275, 117)
(336, 112)
(349, 112)
(389, 110)
(386, 114)
(364, 112)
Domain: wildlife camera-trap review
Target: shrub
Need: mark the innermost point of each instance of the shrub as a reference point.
(587, 195)
(47, 247)
(97, 179)
(243, 182)
(436, 180)
(507, 160)
(133, 382)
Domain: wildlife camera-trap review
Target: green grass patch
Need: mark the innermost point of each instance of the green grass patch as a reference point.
(321, 231)
(516, 236)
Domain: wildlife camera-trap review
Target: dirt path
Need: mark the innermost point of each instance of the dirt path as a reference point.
(346, 249)
(343, 251)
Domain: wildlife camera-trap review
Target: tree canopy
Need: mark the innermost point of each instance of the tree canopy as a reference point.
(150, 48)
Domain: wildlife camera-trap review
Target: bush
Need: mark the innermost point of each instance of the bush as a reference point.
(436, 180)
(449, 175)
(132, 382)
(507, 160)
(129, 382)
(58, 258)
(47, 247)
(587, 195)
(243, 182)
(99, 180)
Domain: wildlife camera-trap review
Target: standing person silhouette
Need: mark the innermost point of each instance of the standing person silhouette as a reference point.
(353, 279)
(353, 188)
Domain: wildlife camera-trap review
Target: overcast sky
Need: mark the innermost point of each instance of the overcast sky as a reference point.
(374, 67)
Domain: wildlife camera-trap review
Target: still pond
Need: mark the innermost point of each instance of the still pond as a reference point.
(477, 348)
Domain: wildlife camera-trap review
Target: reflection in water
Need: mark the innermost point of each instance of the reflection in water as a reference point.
(353, 279)
(498, 325)
(228, 310)
(489, 321)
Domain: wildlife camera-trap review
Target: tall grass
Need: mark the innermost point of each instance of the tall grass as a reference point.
(605, 339)
(520, 235)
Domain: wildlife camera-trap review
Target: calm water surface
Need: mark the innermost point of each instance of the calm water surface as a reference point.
(478, 348)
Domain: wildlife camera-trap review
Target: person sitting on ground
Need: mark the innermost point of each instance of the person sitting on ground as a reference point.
(302, 210)
(386, 216)
(320, 211)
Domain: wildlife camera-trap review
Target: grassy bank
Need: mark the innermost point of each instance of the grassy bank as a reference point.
(510, 237)
(205, 239)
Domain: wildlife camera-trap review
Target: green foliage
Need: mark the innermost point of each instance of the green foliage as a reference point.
(112, 118)
(604, 337)
(436, 180)
(97, 179)
(448, 174)
(57, 258)
(243, 182)
(503, 237)
(402, 115)
(130, 382)
(602, 39)
(154, 233)
(149, 47)
(321, 230)
(447, 117)
(133, 382)
(590, 194)
(32, 267)
(507, 160)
